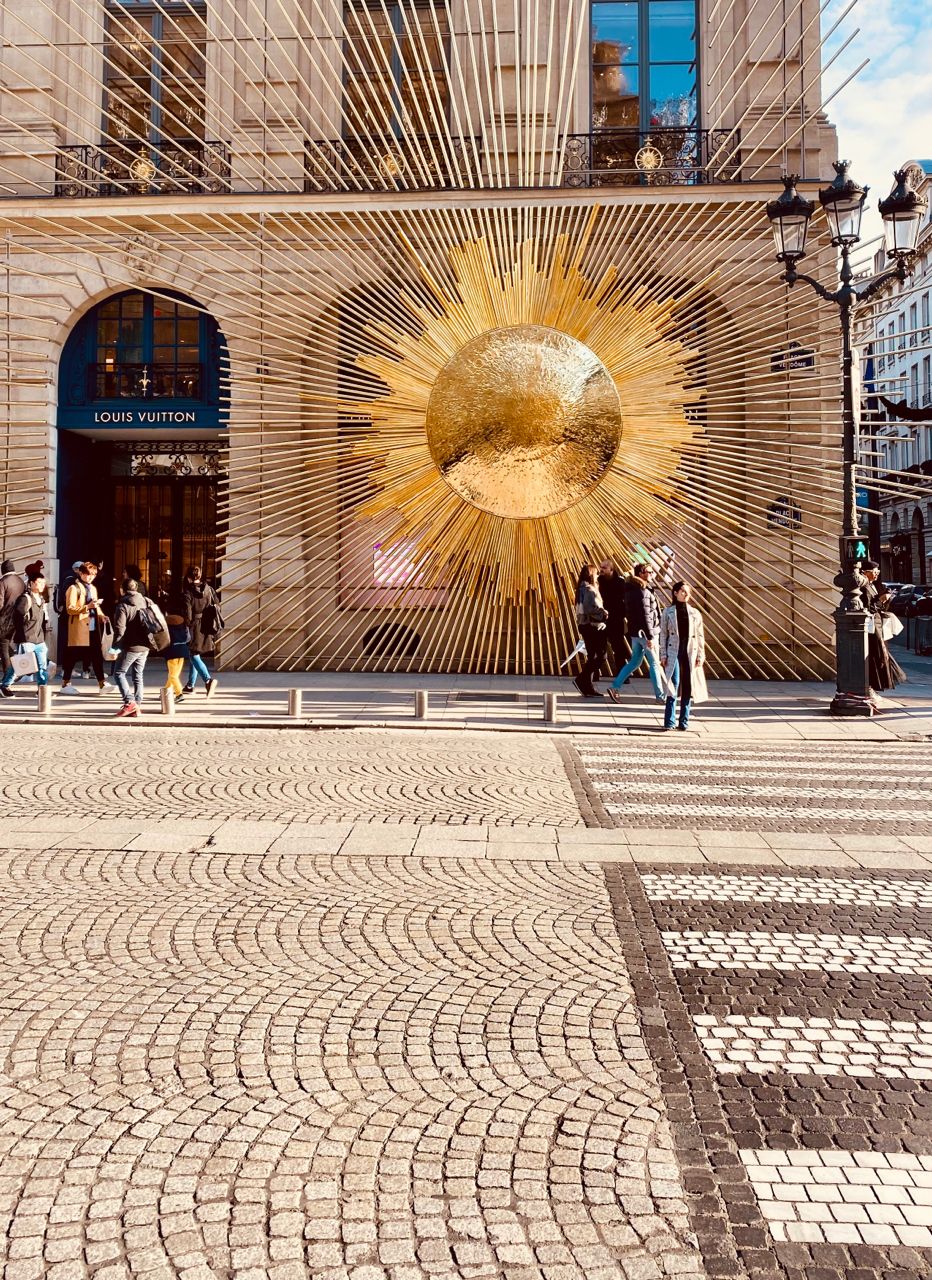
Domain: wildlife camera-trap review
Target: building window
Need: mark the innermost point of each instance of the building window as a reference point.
(154, 72)
(901, 329)
(913, 325)
(644, 64)
(925, 317)
(927, 380)
(395, 79)
(147, 349)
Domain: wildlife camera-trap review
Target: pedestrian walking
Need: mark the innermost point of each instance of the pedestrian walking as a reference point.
(179, 651)
(131, 636)
(682, 656)
(12, 586)
(205, 623)
(642, 629)
(590, 618)
(85, 619)
(31, 629)
(883, 670)
(612, 590)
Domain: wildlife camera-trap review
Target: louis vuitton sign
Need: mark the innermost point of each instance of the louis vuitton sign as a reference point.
(144, 417)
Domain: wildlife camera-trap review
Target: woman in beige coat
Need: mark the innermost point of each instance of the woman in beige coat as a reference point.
(82, 605)
(682, 656)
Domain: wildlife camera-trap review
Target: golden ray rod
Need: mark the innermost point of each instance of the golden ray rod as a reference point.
(809, 119)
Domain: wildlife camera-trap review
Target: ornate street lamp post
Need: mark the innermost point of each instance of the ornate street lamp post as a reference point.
(843, 202)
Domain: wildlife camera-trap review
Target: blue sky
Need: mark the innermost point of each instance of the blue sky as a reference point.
(885, 115)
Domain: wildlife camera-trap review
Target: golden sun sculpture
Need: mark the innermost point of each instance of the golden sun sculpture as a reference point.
(532, 417)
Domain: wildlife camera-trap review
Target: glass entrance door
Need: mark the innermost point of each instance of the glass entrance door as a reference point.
(164, 524)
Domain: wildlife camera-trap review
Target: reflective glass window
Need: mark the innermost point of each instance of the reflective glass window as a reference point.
(644, 64)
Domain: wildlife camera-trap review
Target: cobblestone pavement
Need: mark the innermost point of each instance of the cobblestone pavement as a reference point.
(220, 1066)
(800, 1008)
(269, 775)
(849, 787)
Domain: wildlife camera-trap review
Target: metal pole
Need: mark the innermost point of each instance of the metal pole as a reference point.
(44, 700)
(852, 686)
(550, 708)
(167, 699)
(294, 704)
(420, 704)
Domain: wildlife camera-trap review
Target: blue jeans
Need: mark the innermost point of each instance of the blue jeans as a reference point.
(131, 665)
(685, 703)
(640, 649)
(42, 657)
(197, 668)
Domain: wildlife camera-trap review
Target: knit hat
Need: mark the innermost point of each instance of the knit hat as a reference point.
(7, 567)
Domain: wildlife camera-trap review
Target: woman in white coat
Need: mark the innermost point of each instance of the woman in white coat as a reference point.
(682, 656)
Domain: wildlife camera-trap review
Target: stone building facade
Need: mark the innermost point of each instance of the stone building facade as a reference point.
(897, 344)
(219, 218)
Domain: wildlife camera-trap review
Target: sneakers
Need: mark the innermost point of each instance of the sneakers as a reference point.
(68, 690)
(210, 686)
(128, 711)
(179, 697)
(6, 692)
(614, 694)
(189, 688)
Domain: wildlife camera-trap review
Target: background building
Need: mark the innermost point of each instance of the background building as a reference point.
(260, 259)
(898, 349)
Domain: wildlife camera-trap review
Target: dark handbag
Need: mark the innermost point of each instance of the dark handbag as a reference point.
(212, 620)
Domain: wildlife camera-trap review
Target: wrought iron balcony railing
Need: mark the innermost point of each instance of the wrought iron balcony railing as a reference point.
(133, 169)
(416, 161)
(144, 381)
(658, 157)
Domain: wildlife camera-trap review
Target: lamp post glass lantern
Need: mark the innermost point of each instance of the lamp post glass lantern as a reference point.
(902, 214)
(843, 203)
(789, 220)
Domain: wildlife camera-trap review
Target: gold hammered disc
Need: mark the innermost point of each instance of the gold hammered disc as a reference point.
(524, 421)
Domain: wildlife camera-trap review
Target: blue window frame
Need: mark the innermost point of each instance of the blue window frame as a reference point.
(394, 81)
(644, 64)
(154, 73)
(135, 349)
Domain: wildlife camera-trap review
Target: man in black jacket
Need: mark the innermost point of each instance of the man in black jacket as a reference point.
(11, 588)
(131, 637)
(642, 628)
(612, 591)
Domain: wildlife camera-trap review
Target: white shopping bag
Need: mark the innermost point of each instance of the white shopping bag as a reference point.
(24, 664)
(580, 649)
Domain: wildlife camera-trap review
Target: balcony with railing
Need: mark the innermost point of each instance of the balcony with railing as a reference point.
(412, 162)
(135, 169)
(119, 381)
(659, 157)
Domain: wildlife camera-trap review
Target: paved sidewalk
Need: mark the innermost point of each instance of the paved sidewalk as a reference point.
(737, 711)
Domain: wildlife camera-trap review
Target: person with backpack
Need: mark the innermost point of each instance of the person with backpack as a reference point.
(32, 627)
(205, 623)
(138, 630)
(12, 587)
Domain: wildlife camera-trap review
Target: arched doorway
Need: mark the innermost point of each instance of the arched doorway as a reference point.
(141, 416)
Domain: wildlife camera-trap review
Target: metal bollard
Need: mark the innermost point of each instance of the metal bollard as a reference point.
(294, 704)
(44, 700)
(167, 698)
(420, 704)
(550, 708)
